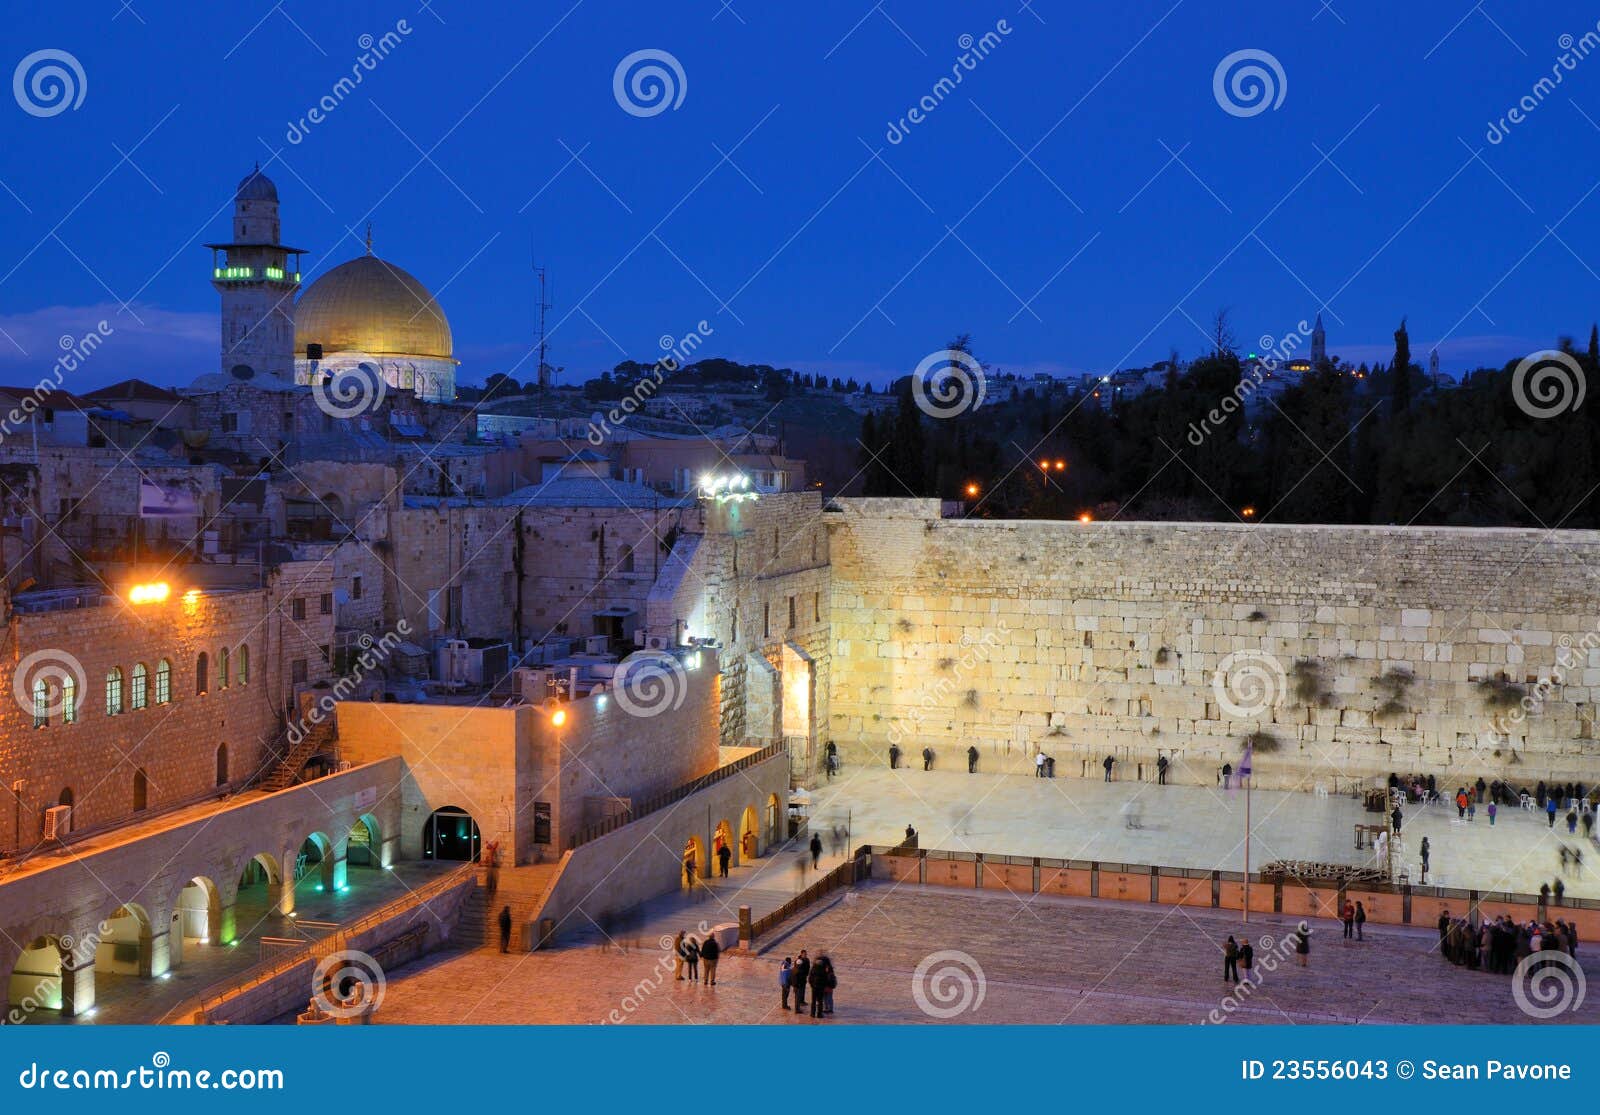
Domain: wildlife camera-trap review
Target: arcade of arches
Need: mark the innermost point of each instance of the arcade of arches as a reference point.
(62, 974)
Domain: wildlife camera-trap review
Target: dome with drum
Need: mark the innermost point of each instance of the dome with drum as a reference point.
(370, 312)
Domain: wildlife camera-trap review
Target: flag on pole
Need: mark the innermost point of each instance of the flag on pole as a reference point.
(1244, 763)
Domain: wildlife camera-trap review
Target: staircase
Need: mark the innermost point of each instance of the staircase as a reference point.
(319, 740)
(521, 888)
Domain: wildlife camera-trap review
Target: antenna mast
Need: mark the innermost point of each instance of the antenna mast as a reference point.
(544, 304)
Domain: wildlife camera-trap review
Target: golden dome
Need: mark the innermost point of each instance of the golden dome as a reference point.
(371, 306)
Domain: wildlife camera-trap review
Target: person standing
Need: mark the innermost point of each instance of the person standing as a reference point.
(819, 984)
(711, 952)
(831, 982)
(724, 857)
(1227, 776)
(1247, 958)
(1424, 859)
(1348, 916)
(1108, 764)
(1493, 809)
(1161, 771)
(785, 974)
(691, 958)
(679, 956)
(1361, 922)
(1572, 822)
(927, 758)
(972, 759)
(688, 868)
(1395, 819)
(1302, 945)
(1038, 765)
(894, 756)
(1230, 960)
(1550, 810)
(505, 929)
(1481, 787)
(798, 977)
(816, 849)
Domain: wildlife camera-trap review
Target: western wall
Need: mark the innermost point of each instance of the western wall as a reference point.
(1346, 653)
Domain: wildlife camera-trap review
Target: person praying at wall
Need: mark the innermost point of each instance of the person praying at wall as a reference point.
(894, 756)
(1038, 765)
(927, 758)
(1161, 771)
(972, 760)
(1108, 764)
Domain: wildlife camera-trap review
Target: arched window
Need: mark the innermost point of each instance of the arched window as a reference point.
(41, 703)
(222, 764)
(163, 682)
(222, 668)
(200, 665)
(69, 699)
(244, 665)
(139, 692)
(114, 691)
(141, 791)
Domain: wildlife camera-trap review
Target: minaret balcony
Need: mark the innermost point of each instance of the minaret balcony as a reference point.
(253, 275)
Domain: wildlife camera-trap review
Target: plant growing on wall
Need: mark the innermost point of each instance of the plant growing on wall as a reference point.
(971, 699)
(1392, 686)
(1262, 743)
(1309, 686)
(946, 663)
(1500, 692)
(904, 625)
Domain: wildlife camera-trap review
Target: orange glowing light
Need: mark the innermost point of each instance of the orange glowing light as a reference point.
(149, 594)
(972, 489)
(1249, 512)
(1060, 465)
(1085, 518)
(559, 717)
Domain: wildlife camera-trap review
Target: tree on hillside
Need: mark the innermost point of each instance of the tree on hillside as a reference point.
(1400, 382)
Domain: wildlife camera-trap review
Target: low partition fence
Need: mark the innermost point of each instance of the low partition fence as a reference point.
(847, 874)
(672, 796)
(1286, 894)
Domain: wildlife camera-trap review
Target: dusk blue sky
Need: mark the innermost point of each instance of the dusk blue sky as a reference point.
(819, 244)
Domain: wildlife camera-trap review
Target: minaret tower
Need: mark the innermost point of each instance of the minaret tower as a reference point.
(1319, 345)
(257, 280)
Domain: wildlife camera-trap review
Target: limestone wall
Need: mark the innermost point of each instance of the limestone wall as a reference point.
(756, 580)
(1107, 638)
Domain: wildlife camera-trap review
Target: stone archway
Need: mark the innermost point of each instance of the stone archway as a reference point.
(197, 918)
(721, 837)
(48, 978)
(694, 862)
(123, 947)
(749, 836)
(315, 860)
(774, 820)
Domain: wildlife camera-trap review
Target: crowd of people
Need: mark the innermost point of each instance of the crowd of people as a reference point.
(1500, 944)
(796, 976)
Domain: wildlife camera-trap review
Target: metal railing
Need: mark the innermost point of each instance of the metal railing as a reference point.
(847, 874)
(289, 959)
(677, 794)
